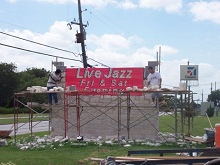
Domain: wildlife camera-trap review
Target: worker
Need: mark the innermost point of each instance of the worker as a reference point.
(53, 80)
(154, 81)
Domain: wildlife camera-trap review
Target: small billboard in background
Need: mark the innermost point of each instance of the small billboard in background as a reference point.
(189, 72)
(103, 81)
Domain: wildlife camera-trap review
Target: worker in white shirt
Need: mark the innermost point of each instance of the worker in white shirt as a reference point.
(54, 78)
(154, 81)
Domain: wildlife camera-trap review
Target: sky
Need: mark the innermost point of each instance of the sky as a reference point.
(119, 33)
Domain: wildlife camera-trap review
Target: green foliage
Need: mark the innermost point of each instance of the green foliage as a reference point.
(9, 81)
(214, 97)
(32, 77)
(4, 110)
(14, 82)
(38, 73)
(210, 111)
(71, 153)
(170, 100)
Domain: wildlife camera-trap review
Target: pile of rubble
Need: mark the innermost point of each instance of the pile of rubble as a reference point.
(59, 141)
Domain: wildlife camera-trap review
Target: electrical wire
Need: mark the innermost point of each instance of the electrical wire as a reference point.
(98, 62)
(42, 45)
(113, 22)
(105, 23)
(12, 24)
(45, 46)
(48, 46)
(37, 43)
(31, 51)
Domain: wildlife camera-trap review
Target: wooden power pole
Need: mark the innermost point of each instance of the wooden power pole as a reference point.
(82, 35)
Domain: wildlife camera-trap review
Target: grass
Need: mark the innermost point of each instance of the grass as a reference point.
(167, 124)
(70, 154)
(77, 155)
(22, 118)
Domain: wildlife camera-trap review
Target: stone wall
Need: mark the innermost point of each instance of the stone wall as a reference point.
(106, 116)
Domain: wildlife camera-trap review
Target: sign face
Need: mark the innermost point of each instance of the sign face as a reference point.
(104, 81)
(189, 72)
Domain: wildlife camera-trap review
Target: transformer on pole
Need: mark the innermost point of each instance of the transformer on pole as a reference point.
(81, 36)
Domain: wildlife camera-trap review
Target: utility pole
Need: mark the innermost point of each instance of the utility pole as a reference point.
(159, 58)
(187, 82)
(82, 35)
(202, 95)
(215, 85)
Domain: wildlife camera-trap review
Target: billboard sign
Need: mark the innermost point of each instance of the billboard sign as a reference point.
(107, 81)
(189, 72)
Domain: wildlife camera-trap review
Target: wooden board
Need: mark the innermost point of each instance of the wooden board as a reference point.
(123, 159)
(198, 140)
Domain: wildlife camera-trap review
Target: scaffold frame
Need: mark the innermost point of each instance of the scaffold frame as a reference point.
(76, 102)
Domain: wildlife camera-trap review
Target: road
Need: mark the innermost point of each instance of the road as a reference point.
(23, 128)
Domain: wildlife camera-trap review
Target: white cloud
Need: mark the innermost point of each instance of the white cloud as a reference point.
(96, 3)
(109, 49)
(206, 11)
(58, 37)
(170, 6)
(55, 1)
(12, 1)
(110, 42)
(127, 4)
(166, 50)
(48, 1)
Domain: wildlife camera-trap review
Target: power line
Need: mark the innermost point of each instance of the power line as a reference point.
(98, 62)
(105, 23)
(37, 43)
(109, 20)
(41, 45)
(45, 54)
(115, 23)
(12, 24)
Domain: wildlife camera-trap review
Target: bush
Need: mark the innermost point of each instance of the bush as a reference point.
(210, 111)
(4, 110)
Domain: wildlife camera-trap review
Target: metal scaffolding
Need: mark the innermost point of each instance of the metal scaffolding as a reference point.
(21, 100)
(122, 100)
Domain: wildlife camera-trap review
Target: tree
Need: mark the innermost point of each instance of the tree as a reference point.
(214, 97)
(37, 73)
(210, 111)
(11, 82)
(8, 83)
(33, 77)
